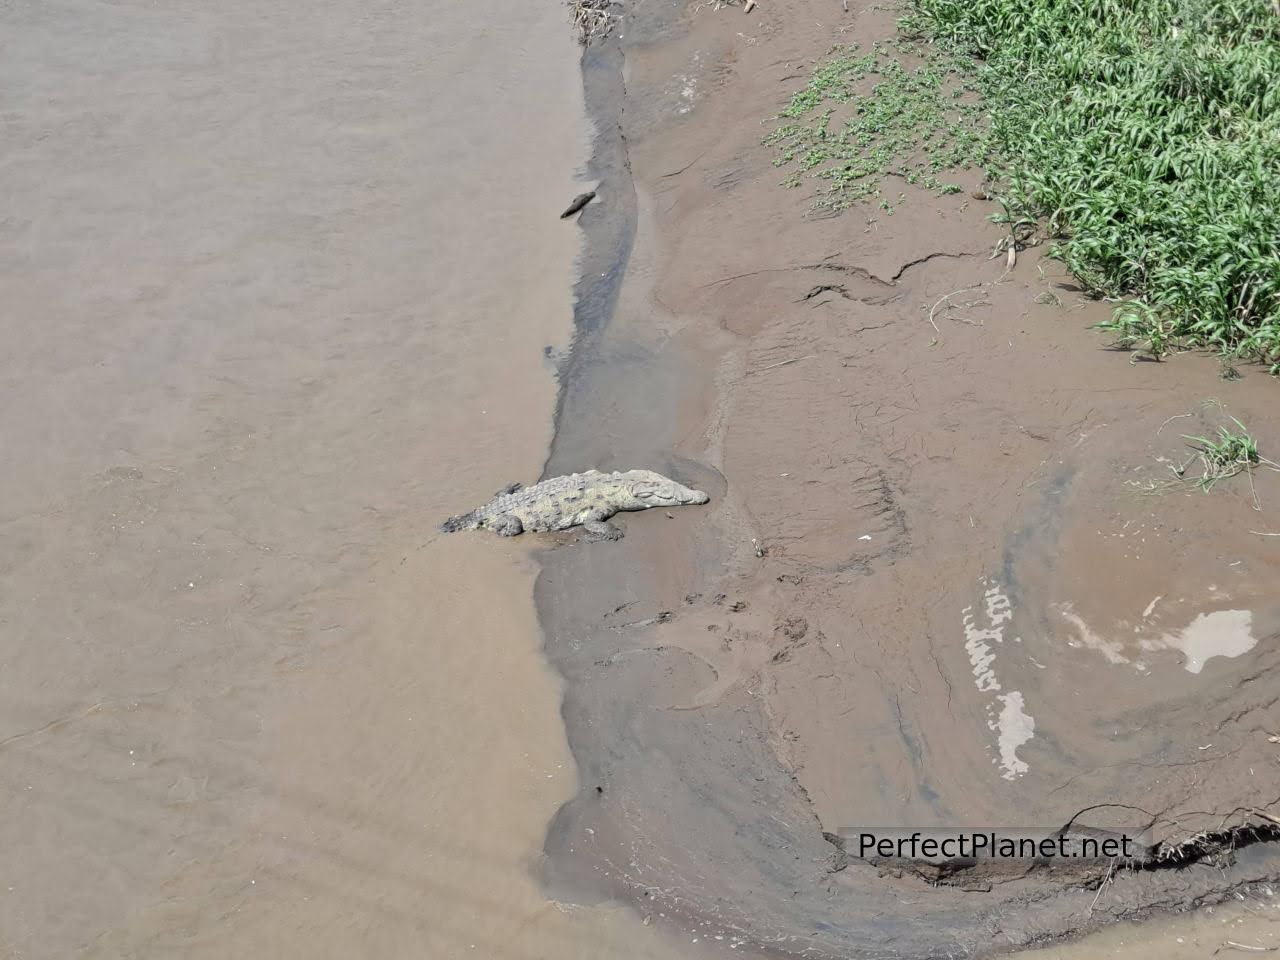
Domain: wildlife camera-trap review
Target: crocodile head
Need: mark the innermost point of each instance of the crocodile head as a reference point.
(649, 489)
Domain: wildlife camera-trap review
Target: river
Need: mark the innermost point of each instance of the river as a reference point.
(278, 279)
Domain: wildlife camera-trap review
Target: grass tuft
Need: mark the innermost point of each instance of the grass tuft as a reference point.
(1225, 456)
(1146, 331)
(864, 117)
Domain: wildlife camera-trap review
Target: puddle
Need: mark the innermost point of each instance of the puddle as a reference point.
(1226, 633)
(1219, 633)
(1015, 728)
(1011, 723)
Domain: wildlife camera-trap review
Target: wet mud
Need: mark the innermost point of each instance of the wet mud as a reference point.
(948, 577)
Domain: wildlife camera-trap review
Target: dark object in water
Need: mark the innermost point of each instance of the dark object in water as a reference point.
(580, 201)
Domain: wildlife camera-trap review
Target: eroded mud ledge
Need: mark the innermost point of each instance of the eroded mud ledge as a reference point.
(933, 507)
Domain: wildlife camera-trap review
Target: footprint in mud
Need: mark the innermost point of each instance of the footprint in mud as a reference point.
(738, 655)
(787, 636)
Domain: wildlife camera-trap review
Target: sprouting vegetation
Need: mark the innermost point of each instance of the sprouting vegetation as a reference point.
(867, 116)
(1224, 456)
(1230, 451)
(1143, 329)
(1143, 136)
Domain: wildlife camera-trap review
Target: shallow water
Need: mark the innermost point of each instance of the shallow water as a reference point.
(278, 281)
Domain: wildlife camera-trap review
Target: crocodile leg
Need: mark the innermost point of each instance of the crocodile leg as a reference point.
(599, 528)
(507, 526)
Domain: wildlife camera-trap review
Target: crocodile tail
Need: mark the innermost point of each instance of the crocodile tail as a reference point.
(466, 521)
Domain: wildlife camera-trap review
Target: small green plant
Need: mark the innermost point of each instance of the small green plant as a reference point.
(1225, 456)
(1228, 453)
(1142, 329)
(867, 116)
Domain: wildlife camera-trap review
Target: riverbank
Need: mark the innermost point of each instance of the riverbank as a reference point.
(942, 582)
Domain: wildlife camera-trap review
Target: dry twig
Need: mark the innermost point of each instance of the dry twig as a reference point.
(1102, 886)
(934, 309)
(1180, 416)
(783, 363)
(1232, 945)
(593, 18)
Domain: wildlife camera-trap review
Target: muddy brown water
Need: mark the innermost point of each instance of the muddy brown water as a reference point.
(279, 284)
(277, 280)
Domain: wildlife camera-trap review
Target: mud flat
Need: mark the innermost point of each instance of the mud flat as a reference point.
(941, 583)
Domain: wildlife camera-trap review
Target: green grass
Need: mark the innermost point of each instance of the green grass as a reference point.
(911, 122)
(1148, 332)
(1143, 136)
(1225, 456)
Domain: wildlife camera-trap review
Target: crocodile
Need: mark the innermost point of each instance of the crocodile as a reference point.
(589, 499)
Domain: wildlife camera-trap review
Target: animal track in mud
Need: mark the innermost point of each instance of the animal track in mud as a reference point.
(788, 636)
(794, 627)
(740, 650)
(875, 507)
(864, 522)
